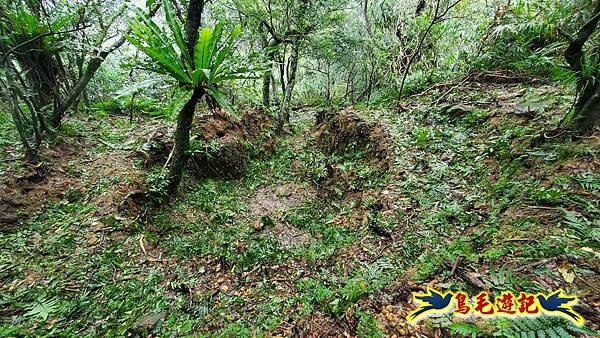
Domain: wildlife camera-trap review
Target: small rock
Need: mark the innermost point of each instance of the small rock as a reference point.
(149, 321)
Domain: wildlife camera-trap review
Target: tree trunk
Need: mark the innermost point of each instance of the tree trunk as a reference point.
(11, 96)
(282, 76)
(186, 115)
(367, 21)
(91, 69)
(328, 89)
(274, 89)
(589, 113)
(193, 22)
(370, 83)
(266, 89)
(586, 107)
(79, 87)
(348, 82)
(284, 113)
(30, 153)
(182, 140)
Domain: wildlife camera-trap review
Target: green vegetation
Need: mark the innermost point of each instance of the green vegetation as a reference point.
(295, 168)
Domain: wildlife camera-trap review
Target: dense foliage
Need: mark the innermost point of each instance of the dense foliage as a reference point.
(67, 56)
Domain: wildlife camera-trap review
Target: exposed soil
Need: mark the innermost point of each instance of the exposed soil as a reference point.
(267, 206)
(24, 191)
(272, 199)
(227, 143)
(289, 237)
(346, 131)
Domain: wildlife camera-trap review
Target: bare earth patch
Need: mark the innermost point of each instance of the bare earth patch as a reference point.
(289, 237)
(269, 201)
(273, 199)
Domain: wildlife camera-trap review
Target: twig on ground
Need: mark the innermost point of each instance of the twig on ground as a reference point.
(541, 207)
(467, 276)
(535, 264)
(169, 158)
(455, 266)
(10, 159)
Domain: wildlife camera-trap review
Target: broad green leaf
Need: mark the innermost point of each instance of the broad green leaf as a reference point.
(202, 50)
(152, 34)
(176, 29)
(226, 50)
(214, 41)
(199, 77)
(172, 66)
(42, 308)
(132, 89)
(222, 99)
(180, 97)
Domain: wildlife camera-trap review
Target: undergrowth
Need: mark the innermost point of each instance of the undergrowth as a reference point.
(204, 265)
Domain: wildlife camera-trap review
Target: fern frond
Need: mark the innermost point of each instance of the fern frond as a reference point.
(42, 308)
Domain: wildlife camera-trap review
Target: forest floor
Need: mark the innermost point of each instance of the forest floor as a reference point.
(327, 235)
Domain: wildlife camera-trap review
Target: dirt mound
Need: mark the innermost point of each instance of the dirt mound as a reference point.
(220, 145)
(345, 131)
(24, 191)
(223, 144)
(157, 147)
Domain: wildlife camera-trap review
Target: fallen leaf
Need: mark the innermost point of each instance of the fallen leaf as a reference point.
(567, 274)
(91, 238)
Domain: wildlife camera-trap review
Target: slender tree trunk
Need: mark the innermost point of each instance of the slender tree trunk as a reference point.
(79, 87)
(11, 96)
(366, 18)
(328, 93)
(349, 80)
(587, 107)
(193, 23)
(186, 115)
(282, 76)
(11, 100)
(438, 15)
(284, 113)
(182, 140)
(274, 90)
(266, 89)
(91, 69)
